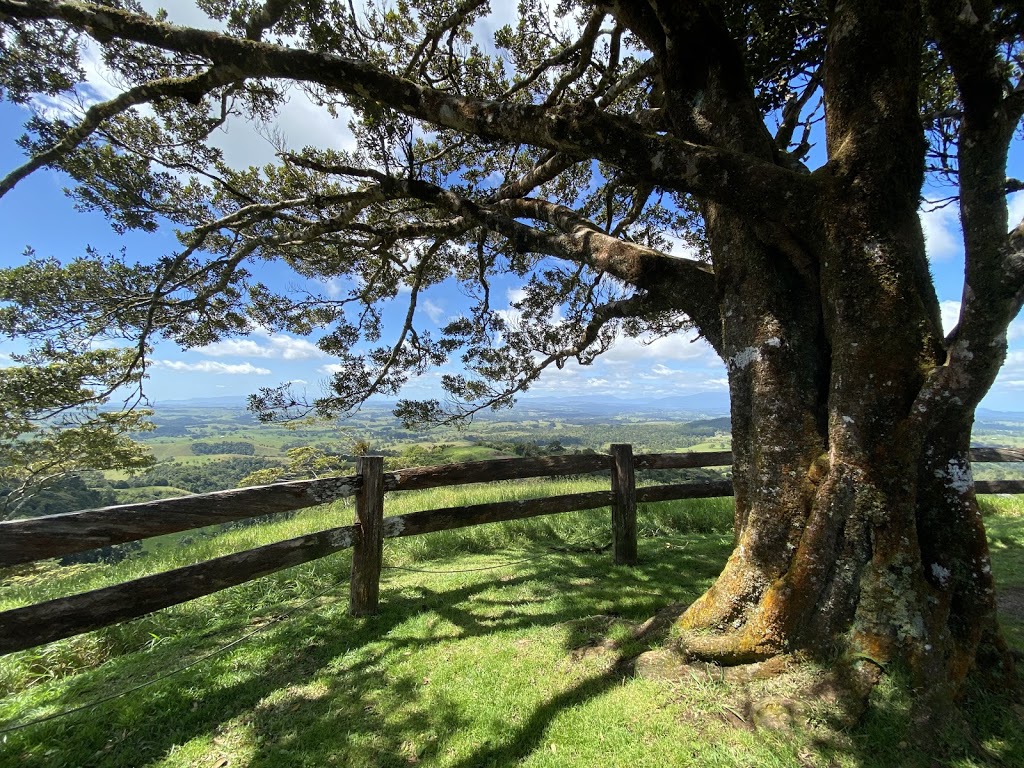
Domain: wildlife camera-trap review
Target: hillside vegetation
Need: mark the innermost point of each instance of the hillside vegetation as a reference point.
(201, 448)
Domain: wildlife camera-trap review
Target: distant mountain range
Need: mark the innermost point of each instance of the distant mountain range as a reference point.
(702, 403)
(984, 414)
(714, 403)
(226, 401)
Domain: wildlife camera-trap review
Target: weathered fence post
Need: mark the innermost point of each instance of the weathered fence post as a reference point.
(368, 550)
(624, 504)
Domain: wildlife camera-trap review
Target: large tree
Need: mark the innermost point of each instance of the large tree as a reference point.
(569, 154)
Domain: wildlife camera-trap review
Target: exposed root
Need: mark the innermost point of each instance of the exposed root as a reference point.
(657, 627)
(728, 650)
(784, 692)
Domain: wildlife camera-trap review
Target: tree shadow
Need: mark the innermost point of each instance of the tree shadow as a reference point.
(323, 688)
(320, 677)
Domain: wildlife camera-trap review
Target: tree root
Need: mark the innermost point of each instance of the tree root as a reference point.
(728, 650)
(782, 692)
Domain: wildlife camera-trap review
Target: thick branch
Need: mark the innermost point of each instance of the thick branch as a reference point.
(994, 261)
(266, 17)
(758, 188)
(543, 172)
(968, 44)
(871, 83)
(690, 283)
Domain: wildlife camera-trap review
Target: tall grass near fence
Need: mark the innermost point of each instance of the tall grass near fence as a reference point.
(577, 531)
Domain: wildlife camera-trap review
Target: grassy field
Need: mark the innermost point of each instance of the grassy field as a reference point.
(501, 645)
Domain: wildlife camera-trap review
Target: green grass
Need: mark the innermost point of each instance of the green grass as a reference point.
(715, 444)
(507, 666)
(580, 529)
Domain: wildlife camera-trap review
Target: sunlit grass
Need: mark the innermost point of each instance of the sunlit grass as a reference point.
(507, 666)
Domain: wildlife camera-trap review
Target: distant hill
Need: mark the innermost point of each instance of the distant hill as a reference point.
(696, 405)
(226, 401)
(699, 404)
(988, 415)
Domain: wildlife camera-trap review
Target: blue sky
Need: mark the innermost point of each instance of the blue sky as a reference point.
(37, 213)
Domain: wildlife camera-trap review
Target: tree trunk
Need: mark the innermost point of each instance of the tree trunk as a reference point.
(858, 535)
(857, 531)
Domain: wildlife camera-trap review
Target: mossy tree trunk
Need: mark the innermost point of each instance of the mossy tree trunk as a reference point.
(858, 534)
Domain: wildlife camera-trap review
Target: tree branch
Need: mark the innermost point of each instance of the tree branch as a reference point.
(758, 188)
(188, 88)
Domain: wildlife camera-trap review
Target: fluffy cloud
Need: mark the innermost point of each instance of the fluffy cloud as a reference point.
(211, 366)
(942, 233)
(1016, 208)
(950, 315)
(278, 346)
(434, 311)
(679, 347)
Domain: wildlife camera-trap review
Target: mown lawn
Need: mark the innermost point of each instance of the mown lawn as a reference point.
(519, 664)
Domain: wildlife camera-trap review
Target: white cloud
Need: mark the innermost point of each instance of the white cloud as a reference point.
(950, 315)
(515, 295)
(185, 14)
(278, 346)
(679, 247)
(1015, 206)
(210, 366)
(679, 347)
(334, 286)
(942, 234)
(331, 368)
(298, 123)
(100, 85)
(434, 311)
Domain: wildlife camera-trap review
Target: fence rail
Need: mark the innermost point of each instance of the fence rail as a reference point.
(23, 541)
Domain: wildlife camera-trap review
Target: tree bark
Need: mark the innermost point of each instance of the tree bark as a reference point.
(857, 530)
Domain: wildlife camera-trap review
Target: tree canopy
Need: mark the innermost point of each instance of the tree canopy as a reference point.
(544, 155)
(783, 144)
(554, 153)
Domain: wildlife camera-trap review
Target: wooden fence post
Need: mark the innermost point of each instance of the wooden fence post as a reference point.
(368, 551)
(624, 504)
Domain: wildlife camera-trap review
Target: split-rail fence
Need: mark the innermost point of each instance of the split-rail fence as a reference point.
(28, 540)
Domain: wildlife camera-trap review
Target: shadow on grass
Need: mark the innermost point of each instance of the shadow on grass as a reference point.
(322, 684)
(322, 688)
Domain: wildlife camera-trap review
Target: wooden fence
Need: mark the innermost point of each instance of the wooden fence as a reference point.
(24, 541)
